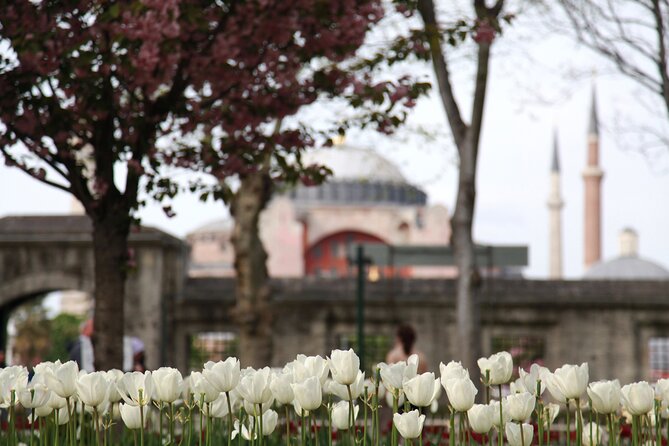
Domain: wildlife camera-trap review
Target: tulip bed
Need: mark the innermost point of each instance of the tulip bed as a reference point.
(315, 401)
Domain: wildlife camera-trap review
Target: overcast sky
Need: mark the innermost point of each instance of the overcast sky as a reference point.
(529, 95)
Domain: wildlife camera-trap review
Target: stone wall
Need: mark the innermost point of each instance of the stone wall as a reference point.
(606, 323)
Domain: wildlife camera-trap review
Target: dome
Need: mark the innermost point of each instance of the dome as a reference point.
(627, 268)
(360, 177)
(355, 164)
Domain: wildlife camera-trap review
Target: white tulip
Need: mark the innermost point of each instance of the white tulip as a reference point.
(114, 376)
(569, 381)
(662, 390)
(269, 421)
(340, 415)
(514, 436)
(281, 389)
(93, 388)
(591, 435)
(308, 393)
(505, 415)
(500, 366)
(13, 380)
(393, 375)
(528, 381)
(35, 395)
(344, 365)
(605, 396)
(520, 405)
(461, 393)
(254, 409)
(131, 415)
(638, 398)
(551, 411)
(452, 370)
(136, 388)
(254, 386)
(223, 375)
(62, 414)
(62, 378)
(219, 407)
(43, 411)
(341, 390)
(481, 417)
(409, 424)
(422, 389)
(167, 383)
(306, 366)
(202, 389)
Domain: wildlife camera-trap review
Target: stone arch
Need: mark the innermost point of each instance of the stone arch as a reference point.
(18, 289)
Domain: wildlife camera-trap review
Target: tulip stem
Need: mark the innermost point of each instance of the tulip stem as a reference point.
(302, 429)
(201, 418)
(32, 425)
(451, 434)
(160, 411)
(522, 434)
(609, 425)
(287, 426)
(172, 424)
(568, 423)
(260, 430)
(500, 434)
(635, 430)
(227, 397)
(549, 425)
(97, 425)
(540, 410)
(579, 422)
(364, 425)
(396, 402)
(351, 415)
(658, 424)
(55, 434)
(313, 423)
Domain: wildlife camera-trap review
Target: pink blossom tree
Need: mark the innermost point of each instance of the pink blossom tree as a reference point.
(88, 90)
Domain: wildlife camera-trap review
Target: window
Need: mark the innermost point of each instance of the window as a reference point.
(525, 349)
(376, 348)
(211, 346)
(658, 354)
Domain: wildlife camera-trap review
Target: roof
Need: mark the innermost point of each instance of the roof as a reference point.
(353, 163)
(627, 268)
(220, 225)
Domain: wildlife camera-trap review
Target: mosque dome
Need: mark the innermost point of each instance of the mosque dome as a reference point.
(628, 265)
(359, 177)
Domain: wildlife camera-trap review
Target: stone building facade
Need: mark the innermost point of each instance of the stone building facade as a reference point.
(621, 328)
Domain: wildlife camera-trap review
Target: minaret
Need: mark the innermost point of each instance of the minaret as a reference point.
(592, 178)
(555, 204)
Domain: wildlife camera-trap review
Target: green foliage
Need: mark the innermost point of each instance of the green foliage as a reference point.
(63, 330)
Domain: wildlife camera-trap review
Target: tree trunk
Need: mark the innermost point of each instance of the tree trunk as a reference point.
(110, 248)
(467, 308)
(252, 312)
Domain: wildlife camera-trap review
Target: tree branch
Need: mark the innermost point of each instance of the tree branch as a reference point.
(458, 126)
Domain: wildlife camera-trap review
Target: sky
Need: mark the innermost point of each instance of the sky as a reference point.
(537, 85)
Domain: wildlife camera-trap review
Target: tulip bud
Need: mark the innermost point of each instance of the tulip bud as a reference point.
(551, 411)
(481, 417)
(308, 393)
(393, 375)
(422, 389)
(62, 378)
(638, 398)
(452, 370)
(662, 390)
(341, 413)
(500, 367)
(305, 366)
(605, 396)
(514, 436)
(34, 396)
(461, 393)
(528, 381)
(409, 424)
(344, 365)
(520, 406)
